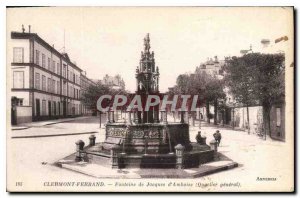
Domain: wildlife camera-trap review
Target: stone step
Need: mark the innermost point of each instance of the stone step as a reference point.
(98, 154)
(149, 161)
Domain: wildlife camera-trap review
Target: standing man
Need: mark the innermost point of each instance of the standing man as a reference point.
(218, 137)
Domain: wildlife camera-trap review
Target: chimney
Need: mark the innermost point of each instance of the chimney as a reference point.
(23, 29)
(29, 27)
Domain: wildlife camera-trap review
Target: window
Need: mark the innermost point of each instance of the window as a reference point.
(61, 108)
(53, 66)
(53, 86)
(58, 87)
(44, 83)
(57, 108)
(37, 80)
(278, 117)
(37, 107)
(49, 64)
(18, 79)
(58, 68)
(64, 89)
(18, 55)
(70, 91)
(44, 107)
(64, 71)
(54, 108)
(37, 57)
(49, 85)
(43, 60)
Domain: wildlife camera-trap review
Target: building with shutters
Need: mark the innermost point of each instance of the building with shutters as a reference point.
(45, 84)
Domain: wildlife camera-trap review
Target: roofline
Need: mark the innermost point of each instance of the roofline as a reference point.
(26, 35)
(88, 79)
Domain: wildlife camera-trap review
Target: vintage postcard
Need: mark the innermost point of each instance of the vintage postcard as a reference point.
(150, 99)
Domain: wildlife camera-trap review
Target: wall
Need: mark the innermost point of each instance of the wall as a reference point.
(24, 114)
(255, 118)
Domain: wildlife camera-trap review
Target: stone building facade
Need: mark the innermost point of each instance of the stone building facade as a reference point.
(43, 79)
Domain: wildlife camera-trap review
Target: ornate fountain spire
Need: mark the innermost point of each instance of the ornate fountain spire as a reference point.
(147, 81)
(147, 44)
(147, 75)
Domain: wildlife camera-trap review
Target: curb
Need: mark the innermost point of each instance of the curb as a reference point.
(20, 128)
(216, 170)
(27, 127)
(52, 135)
(60, 122)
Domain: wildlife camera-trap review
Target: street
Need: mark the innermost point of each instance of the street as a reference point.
(32, 158)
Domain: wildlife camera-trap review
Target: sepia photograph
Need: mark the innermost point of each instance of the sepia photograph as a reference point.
(150, 99)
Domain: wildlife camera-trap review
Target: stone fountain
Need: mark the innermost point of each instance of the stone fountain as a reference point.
(147, 139)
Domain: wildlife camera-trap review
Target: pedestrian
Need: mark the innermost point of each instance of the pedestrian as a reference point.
(199, 138)
(218, 137)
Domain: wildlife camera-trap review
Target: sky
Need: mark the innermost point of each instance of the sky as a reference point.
(109, 40)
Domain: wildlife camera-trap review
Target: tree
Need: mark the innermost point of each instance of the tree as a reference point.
(270, 86)
(263, 80)
(208, 88)
(92, 93)
(214, 91)
(241, 81)
(183, 84)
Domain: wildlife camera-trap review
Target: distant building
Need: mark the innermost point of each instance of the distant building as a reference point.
(45, 84)
(116, 82)
(213, 67)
